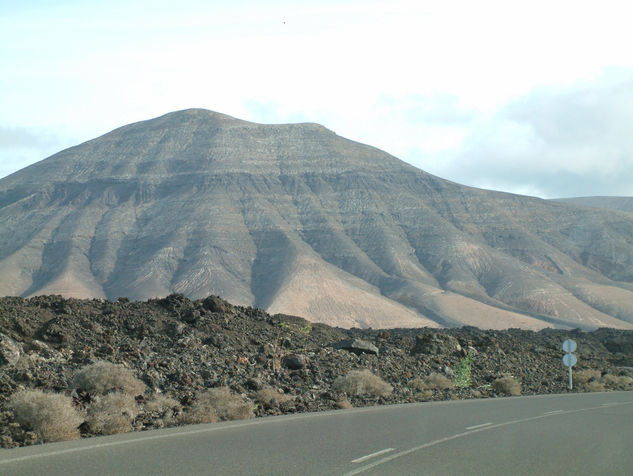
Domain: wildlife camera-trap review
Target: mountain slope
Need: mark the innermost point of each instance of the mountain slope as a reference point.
(624, 204)
(295, 219)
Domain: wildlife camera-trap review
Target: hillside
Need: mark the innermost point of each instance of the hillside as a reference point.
(295, 219)
(623, 204)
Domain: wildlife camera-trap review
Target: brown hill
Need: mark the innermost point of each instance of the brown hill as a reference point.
(295, 219)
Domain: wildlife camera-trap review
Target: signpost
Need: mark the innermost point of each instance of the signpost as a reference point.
(569, 359)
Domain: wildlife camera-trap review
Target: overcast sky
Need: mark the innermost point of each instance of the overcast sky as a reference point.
(527, 97)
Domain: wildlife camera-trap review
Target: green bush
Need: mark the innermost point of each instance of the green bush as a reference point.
(50, 415)
(363, 382)
(463, 372)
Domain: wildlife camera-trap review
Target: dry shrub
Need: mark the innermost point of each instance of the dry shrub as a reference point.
(362, 382)
(434, 381)
(200, 411)
(621, 382)
(112, 414)
(163, 407)
(104, 377)
(344, 404)
(221, 402)
(508, 385)
(592, 386)
(50, 415)
(268, 396)
(584, 376)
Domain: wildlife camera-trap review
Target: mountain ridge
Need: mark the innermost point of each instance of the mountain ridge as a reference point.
(296, 219)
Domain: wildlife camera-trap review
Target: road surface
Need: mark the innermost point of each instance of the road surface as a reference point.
(575, 434)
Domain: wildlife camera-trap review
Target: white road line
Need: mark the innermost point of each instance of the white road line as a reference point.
(187, 431)
(610, 404)
(478, 426)
(386, 459)
(377, 453)
(553, 412)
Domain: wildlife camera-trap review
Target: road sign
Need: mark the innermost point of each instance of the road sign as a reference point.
(569, 346)
(569, 360)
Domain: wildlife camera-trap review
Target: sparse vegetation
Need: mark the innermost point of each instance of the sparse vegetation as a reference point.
(112, 413)
(463, 372)
(221, 402)
(581, 377)
(50, 415)
(270, 396)
(591, 380)
(592, 386)
(164, 407)
(104, 377)
(201, 411)
(507, 385)
(433, 381)
(270, 369)
(344, 404)
(618, 382)
(363, 382)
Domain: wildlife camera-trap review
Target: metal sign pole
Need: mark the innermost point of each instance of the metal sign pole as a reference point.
(569, 359)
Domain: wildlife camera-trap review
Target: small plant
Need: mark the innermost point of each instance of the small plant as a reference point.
(201, 411)
(221, 402)
(163, 407)
(618, 382)
(270, 396)
(507, 385)
(363, 382)
(434, 381)
(463, 372)
(584, 376)
(343, 404)
(593, 386)
(307, 329)
(112, 414)
(104, 377)
(50, 415)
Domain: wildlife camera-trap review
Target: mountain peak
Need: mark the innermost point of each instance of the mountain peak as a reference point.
(297, 220)
(199, 141)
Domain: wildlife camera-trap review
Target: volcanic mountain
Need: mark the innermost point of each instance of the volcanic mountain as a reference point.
(624, 204)
(297, 220)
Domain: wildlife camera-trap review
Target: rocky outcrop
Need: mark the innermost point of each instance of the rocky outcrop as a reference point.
(179, 348)
(10, 351)
(358, 346)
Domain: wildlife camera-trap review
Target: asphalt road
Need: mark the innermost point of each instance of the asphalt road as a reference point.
(575, 434)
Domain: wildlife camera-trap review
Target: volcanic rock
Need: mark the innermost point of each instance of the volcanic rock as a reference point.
(358, 346)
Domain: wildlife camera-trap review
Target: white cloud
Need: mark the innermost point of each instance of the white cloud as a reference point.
(427, 81)
(555, 142)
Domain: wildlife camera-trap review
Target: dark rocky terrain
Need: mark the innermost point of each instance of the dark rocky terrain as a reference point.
(295, 219)
(179, 347)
